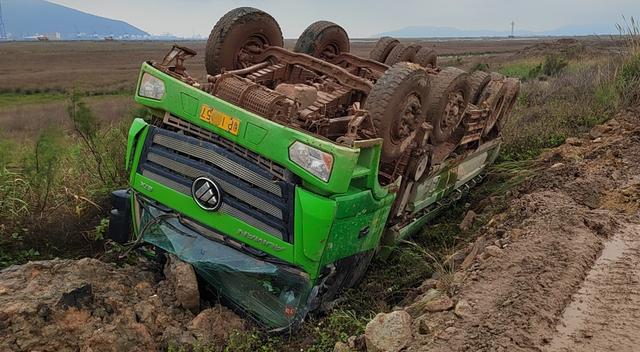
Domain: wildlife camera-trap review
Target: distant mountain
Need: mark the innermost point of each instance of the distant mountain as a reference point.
(450, 32)
(28, 18)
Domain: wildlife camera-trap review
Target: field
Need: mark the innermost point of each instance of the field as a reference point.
(56, 174)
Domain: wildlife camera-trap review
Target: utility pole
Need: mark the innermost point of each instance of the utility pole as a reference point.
(513, 26)
(3, 32)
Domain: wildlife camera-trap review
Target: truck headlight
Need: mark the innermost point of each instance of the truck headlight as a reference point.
(151, 87)
(311, 159)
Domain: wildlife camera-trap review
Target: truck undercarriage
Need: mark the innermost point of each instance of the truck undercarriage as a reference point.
(302, 164)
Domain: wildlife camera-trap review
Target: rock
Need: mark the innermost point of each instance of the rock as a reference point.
(427, 285)
(341, 347)
(418, 307)
(183, 278)
(599, 131)
(574, 141)
(467, 222)
(389, 332)
(215, 324)
(425, 326)
(463, 309)
(439, 304)
(493, 251)
(357, 343)
(556, 166)
(473, 253)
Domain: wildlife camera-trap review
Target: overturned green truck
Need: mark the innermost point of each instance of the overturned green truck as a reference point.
(283, 173)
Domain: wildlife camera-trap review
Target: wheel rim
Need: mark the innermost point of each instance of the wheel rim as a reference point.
(329, 51)
(453, 111)
(252, 46)
(411, 108)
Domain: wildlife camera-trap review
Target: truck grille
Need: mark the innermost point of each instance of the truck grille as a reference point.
(252, 192)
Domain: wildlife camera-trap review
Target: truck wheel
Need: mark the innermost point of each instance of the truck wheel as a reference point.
(512, 90)
(237, 36)
(493, 98)
(426, 57)
(324, 40)
(402, 53)
(382, 48)
(396, 104)
(448, 102)
(477, 81)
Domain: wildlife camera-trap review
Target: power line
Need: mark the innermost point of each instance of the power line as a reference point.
(3, 32)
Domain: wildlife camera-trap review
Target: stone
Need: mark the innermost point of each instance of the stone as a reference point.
(357, 343)
(493, 251)
(467, 222)
(341, 347)
(427, 285)
(215, 324)
(417, 308)
(463, 309)
(390, 332)
(556, 166)
(439, 304)
(574, 141)
(185, 284)
(473, 253)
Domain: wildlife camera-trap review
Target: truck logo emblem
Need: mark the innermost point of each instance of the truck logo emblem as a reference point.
(206, 193)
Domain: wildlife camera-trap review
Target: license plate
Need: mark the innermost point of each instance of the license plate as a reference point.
(216, 118)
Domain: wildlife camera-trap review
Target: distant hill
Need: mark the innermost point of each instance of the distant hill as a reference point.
(450, 32)
(27, 18)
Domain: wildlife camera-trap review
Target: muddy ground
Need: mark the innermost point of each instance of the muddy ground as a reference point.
(88, 305)
(558, 271)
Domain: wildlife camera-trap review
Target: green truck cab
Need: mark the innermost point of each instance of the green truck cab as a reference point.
(276, 218)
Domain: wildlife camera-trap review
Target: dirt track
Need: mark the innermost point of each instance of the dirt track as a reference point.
(563, 270)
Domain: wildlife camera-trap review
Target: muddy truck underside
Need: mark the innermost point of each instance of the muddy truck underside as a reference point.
(282, 173)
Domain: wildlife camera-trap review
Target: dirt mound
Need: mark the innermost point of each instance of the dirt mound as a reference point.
(88, 305)
(517, 290)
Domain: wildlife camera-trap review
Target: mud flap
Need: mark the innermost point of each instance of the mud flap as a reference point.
(120, 217)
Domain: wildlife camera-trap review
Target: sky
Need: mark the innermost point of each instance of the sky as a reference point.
(362, 18)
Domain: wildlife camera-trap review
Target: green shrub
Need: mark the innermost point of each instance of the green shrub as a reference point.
(554, 65)
(43, 164)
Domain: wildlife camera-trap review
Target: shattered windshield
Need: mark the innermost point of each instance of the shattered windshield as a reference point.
(275, 294)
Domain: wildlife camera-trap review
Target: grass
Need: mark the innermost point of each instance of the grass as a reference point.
(520, 69)
(13, 99)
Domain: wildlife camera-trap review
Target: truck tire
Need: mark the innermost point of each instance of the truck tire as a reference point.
(382, 48)
(324, 40)
(448, 102)
(238, 30)
(426, 57)
(397, 105)
(402, 53)
(512, 90)
(477, 81)
(493, 98)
